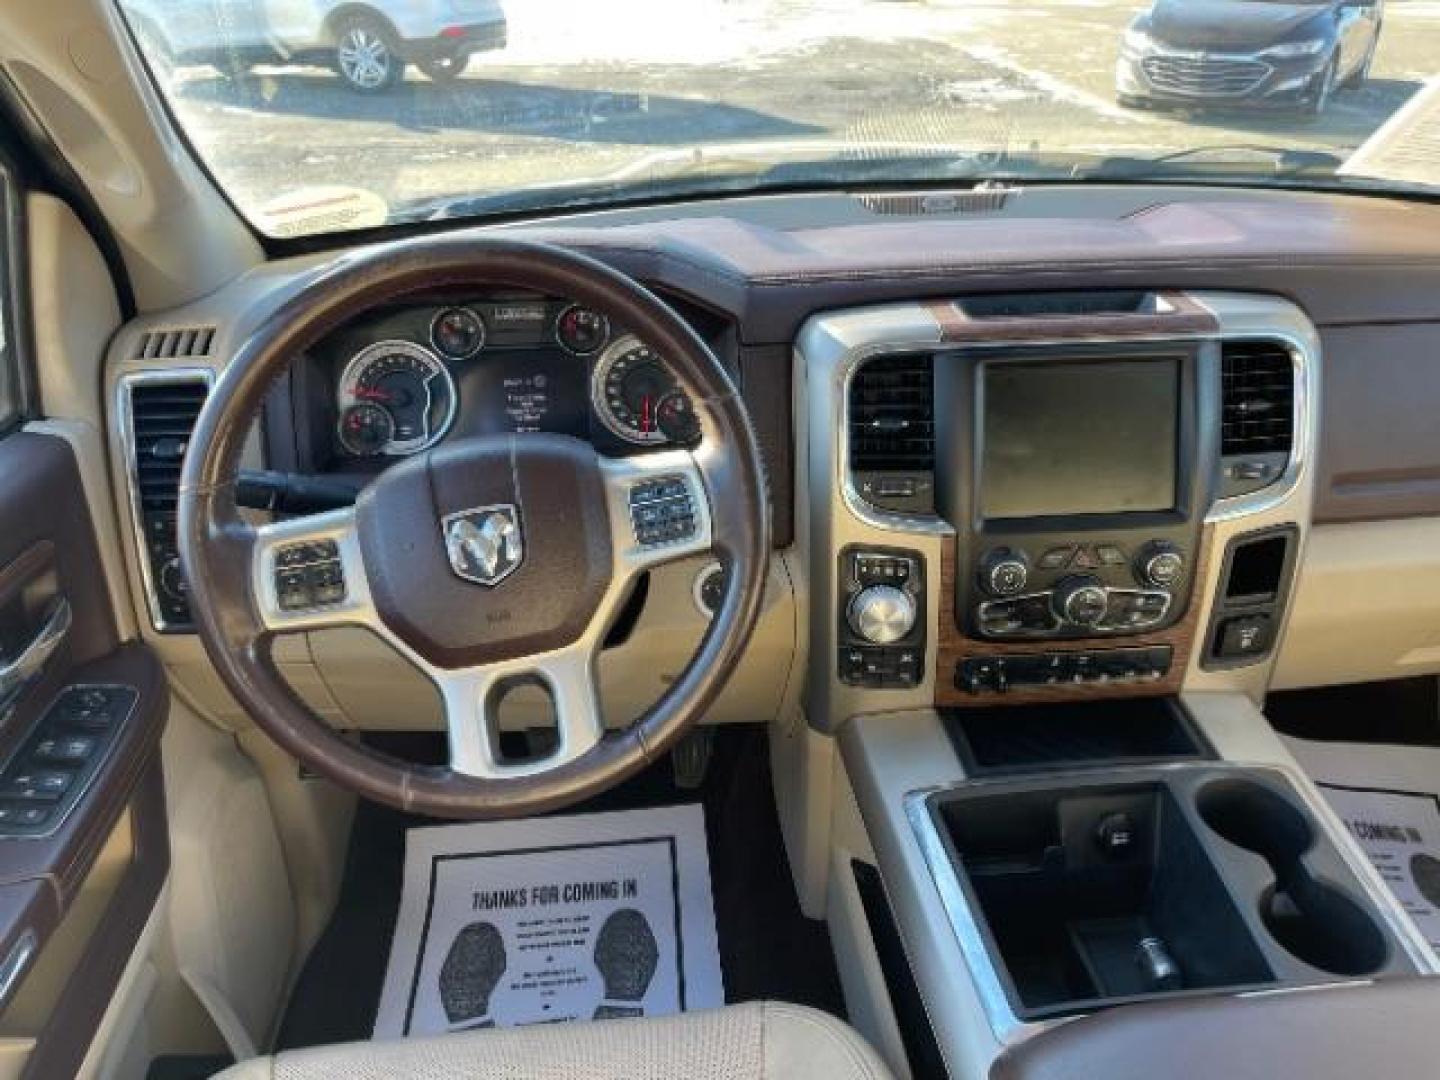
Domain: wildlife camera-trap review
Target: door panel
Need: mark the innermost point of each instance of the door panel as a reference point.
(83, 836)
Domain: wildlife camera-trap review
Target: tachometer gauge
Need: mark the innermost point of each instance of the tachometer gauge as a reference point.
(458, 333)
(581, 331)
(629, 383)
(410, 384)
(366, 429)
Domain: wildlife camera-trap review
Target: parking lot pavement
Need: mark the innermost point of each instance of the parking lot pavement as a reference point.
(584, 90)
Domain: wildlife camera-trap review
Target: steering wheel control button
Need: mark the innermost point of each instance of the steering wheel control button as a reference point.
(309, 575)
(662, 511)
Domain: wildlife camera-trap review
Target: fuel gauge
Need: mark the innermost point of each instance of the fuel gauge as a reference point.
(366, 429)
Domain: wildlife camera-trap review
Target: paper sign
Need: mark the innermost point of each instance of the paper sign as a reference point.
(552, 919)
(1400, 832)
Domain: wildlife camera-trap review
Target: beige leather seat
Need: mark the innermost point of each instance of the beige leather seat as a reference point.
(760, 1041)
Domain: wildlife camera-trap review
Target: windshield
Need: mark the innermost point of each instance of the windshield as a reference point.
(326, 115)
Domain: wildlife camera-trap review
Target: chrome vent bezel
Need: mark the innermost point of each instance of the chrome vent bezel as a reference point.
(125, 404)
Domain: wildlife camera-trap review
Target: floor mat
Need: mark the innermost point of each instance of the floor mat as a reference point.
(768, 949)
(1389, 799)
(576, 917)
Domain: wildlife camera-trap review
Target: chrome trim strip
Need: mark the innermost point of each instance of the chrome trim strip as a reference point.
(16, 961)
(963, 922)
(126, 418)
(1259, 318)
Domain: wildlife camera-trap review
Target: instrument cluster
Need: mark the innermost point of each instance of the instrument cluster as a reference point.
(407, 377)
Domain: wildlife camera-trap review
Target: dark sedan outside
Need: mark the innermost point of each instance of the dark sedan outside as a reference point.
(1205, 54)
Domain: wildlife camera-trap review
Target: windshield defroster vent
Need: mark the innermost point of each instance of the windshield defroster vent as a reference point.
(919, 204)
(161, 411)
(891, 432)
(1257, 413)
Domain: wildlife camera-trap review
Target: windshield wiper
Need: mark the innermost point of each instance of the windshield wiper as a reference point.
(745, 168)
(1239, 160)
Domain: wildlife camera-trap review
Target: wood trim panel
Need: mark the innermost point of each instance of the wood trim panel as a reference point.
(953, 646)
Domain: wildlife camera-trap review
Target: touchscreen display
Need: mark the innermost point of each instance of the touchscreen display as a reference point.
(1078, 437)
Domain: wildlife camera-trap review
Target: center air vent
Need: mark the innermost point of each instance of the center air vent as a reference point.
(891, 428)
(162, 411)
(1258, 413)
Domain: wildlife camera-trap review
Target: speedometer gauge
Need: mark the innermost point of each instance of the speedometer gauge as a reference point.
(629, 384)
(410, 384)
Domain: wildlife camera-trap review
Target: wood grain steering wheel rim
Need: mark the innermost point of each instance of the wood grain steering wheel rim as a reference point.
(545, 620)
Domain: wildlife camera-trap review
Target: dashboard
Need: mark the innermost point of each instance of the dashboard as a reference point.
(954, 526)
(406, 377)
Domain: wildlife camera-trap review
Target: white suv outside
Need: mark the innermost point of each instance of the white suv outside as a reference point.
(367, 42)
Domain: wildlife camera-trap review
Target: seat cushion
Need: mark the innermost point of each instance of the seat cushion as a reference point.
(758, 1041)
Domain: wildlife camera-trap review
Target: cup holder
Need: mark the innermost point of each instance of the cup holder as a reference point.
(1311, 919)
(1319, 924)
(1257, 818)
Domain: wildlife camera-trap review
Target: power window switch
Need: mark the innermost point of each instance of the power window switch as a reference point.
(70, 749)
(24, 815)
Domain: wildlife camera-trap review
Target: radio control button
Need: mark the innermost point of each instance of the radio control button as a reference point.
(1081, 600)
(1004, 572)
(1056, 558)
(1160, 564)
(1110, 555)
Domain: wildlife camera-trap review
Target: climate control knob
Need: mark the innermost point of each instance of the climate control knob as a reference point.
(1160, 564)
(881, 614)
(1004, 572)
(1080, 600)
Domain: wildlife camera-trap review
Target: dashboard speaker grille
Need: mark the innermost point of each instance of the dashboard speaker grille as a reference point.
(892, 415)
(1258, 384)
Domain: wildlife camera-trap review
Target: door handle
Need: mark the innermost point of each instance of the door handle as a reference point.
(18, 673)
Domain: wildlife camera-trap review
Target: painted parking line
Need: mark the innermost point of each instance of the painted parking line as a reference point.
(1053, 87)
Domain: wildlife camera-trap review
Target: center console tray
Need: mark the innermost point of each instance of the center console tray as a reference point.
(1221, 872)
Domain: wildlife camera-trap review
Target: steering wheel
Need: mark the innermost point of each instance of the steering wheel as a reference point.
(485, 561)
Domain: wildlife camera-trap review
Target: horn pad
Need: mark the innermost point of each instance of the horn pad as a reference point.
(489, 548)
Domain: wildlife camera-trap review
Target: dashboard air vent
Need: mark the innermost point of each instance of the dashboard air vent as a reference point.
(163, 410)
(1257, 414)
(1258, 383)
(891, 431)
(177, 343)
